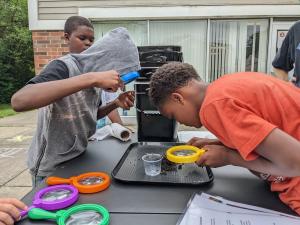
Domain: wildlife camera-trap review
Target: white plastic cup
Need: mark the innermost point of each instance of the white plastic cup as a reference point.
(152, 164)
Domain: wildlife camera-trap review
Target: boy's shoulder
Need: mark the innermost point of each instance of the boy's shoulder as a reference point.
(242, 80)
(56, 64)
(237, 86)
(54, 70)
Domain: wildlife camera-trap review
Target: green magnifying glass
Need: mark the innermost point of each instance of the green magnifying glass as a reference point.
(88, 214)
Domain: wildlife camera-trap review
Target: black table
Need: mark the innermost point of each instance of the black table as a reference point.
(156, 204)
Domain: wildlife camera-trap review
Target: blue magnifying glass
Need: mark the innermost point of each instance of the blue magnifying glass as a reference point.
(129, 77)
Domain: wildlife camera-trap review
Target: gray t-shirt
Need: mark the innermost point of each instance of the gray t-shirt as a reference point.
(288, 57)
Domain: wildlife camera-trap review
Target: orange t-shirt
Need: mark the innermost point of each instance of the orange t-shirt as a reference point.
(242, 109)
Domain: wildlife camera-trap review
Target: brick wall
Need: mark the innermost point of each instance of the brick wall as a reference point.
(47, 45)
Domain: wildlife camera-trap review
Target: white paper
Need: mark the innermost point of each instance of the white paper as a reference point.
(120, 132)
(185, 136)
(115, 130)
(206, 209)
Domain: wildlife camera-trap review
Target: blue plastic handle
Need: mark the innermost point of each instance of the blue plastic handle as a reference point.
(129, 77)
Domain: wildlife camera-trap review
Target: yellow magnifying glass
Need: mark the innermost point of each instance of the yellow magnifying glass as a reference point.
(184, 154)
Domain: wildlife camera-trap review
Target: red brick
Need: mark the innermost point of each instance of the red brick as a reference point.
(54, 38)
(45, 61)
(44, 41)
(53, 49)
(44, 56)
(40, 53)
(41, 66)
(48, 45)
(38, 38)
(42, 33)
(55, 41)
(42, 49)
(53, 45)
(56, 33)
(53, 53)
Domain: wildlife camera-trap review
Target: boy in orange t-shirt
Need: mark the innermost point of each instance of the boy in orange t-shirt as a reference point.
(256, 118)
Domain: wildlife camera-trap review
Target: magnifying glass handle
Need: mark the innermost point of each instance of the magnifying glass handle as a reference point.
(38, 214)
(57, 180)
(128, 77)
(25, 212)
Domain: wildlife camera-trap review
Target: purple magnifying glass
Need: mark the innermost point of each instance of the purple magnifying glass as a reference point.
(53, 198)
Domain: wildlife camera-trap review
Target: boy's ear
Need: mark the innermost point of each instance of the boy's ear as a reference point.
(178, 98)
(67, 36)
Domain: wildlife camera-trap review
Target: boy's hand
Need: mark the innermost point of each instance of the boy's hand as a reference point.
(108, 80)
(125, 100)
(10, 210)
(215, 156)
(200, 142)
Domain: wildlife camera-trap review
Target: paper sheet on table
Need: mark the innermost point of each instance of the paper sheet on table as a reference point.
(204, 209)
(115, 130)
(185, 136)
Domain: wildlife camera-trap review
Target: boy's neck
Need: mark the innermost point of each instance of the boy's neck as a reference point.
(202, 87)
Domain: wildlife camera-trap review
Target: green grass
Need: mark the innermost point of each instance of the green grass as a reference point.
(6, 110)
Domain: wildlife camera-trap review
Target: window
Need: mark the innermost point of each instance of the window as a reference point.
(236, 46)
(189, 34)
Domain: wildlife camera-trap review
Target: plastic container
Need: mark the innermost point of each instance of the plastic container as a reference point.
(101, 123)
(152, 164)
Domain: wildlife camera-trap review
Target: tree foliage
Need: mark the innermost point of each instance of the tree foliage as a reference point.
(16, 52)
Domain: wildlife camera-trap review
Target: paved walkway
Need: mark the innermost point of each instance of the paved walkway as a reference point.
(15, 136)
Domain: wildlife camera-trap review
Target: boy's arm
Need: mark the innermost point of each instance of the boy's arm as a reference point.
(105, 110)
(279, 155)
(124, 100)
(281, 74)
(114, 117)
(35, 96)
(283, 151)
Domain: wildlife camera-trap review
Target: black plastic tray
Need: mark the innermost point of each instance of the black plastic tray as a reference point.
(130, 168)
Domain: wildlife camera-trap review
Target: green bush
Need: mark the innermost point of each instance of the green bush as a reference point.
(16, 53)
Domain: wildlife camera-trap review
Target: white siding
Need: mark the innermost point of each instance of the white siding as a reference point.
(62, 9)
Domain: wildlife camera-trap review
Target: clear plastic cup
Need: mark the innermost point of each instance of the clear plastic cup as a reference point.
(152, 164)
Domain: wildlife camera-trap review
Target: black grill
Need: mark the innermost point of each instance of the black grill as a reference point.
(152, 126)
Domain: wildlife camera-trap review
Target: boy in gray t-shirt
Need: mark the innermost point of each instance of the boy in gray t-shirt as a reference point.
(68, 99)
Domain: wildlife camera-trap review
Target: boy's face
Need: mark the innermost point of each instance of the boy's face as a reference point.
(184, 105)
(80, 39)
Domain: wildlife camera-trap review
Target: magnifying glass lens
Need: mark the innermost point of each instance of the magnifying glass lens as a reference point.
(88, 217)
(91, 180)
(57, 194)
(183, 152)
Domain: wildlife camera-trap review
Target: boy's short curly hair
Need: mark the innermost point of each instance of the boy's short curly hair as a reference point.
(73, 22)
(168, 78)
